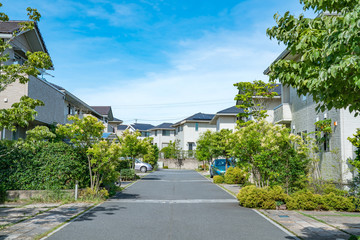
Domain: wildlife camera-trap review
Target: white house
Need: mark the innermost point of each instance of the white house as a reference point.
(188, 130)
(162, 135)
(226, 119)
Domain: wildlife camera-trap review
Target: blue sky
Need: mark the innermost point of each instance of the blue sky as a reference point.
(156, 60)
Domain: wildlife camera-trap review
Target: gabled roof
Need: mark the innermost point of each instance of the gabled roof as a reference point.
(122, 127)
(203, 117)
(116, 120)
(167, 126)
(76, 101)
(103, 110)
(10, 27)
(142, 126)
(231, 111)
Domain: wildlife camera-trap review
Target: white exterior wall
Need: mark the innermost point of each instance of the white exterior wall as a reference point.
(190, 135)
(162, 141)
(226, 122)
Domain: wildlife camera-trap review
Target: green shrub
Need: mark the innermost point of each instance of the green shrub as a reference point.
(330, 188)
(266, 198)
(123, 164)
(91, 195)
(127, 174)
(332, 201)
(165, 167)
(305, 200)
(218, 179)
(353, 237)
(235, 176)
(43, 166)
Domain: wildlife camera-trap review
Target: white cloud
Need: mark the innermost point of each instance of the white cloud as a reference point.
(201, 76)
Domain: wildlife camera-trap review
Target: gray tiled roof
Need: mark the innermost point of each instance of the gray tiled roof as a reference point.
(142, 126)
(198, 116)
(164, 126)
(230, 110)
(122, 127)
(103, 110)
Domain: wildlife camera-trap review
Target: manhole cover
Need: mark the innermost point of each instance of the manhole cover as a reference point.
(283, 216)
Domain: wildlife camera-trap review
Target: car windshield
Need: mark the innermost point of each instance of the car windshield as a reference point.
(220, 162)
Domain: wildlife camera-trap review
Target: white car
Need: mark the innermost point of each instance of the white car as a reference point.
(141, 166)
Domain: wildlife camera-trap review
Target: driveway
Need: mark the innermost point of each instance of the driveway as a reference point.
(171, 204)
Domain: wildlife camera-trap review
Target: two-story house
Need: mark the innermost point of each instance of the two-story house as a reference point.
(162, 135)
(226, 119)
(111, 123)
(188, 130)
(299, 114)
(36, 87)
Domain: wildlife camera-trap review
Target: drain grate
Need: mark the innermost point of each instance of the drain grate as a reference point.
(283, 216)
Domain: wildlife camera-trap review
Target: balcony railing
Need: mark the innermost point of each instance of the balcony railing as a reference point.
(282, 114)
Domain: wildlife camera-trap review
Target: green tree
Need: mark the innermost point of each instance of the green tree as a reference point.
(83, 133)
(104, 157)
(131, 146)
(173, 150)
(326, 50)
(253, 98)
(152, 154)
(39, 133)
(23, 112)
(275, 155)
(204, 149)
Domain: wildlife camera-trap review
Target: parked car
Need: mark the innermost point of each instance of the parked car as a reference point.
(141, 166)
(218, 166)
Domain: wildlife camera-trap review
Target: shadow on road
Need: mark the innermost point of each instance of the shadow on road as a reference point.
(122, 195)
(95, 212)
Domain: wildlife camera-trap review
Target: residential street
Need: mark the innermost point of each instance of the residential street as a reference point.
(171, 204)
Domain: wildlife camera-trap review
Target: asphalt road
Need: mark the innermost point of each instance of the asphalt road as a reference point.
(171, 204)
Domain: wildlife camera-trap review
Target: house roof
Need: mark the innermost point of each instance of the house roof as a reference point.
(167, 126)
(205, 117)
(76, 101)
(231, 110)
(116, 120)
(10, 27)
(103, 110)
(122, 127)
(142, 126)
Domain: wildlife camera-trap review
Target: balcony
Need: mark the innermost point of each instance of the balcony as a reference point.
(282, 114)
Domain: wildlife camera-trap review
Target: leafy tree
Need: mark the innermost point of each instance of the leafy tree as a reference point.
(131, 146)
(152, 154)
(253, 98)
(326, 50)
(84, 133)
(39, 133)
(173, 150)
(204, 150)
(275, 155)
(24, 111)
(104, 158)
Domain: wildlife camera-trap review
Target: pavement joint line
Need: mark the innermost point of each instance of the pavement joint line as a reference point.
(321, 221)
(278, 225)
(264, 216)
(70, 221)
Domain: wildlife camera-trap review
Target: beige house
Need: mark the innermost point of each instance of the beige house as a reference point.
(162, 135)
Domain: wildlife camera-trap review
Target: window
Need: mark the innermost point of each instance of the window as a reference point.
(155, 132)
(166, 132)
(196, 127)
(326, 142)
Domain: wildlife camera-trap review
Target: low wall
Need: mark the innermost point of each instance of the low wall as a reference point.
(27, 194)
(183, 164)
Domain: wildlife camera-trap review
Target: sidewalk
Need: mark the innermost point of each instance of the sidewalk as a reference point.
(30, 221)
(308, 225)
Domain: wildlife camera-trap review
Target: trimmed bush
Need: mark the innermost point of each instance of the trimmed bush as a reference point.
(165, 167)
(304, 200)
(236, 176)
(127, 174)
(332, 201)
(44, 166)
(266, 198)
(218, 179)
